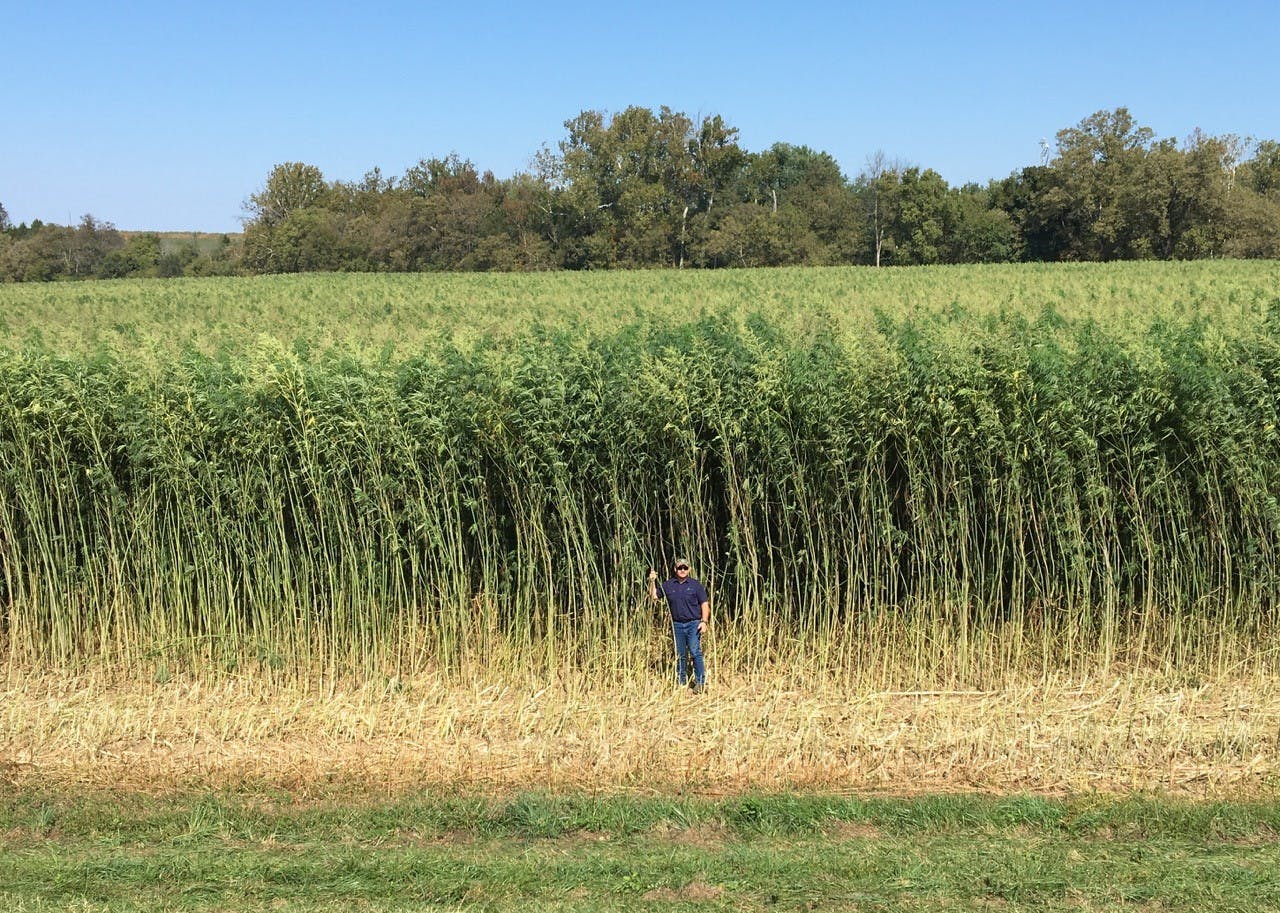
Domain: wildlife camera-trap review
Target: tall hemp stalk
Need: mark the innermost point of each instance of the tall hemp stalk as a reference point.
(947, 498)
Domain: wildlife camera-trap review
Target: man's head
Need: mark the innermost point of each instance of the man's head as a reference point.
(681, 567)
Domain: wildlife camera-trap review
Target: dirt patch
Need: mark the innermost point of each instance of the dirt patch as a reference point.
(854, 831)
(696, 891)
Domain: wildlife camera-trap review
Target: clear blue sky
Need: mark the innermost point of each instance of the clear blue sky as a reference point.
(167, 116)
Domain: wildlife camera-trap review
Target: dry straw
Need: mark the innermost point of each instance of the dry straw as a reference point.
(1117, 734)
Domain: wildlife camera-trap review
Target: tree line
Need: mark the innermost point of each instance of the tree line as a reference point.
(646, 188)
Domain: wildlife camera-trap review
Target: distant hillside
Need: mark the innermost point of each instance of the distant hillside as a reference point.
(170, 241)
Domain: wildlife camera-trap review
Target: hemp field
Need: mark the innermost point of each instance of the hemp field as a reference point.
(1007, 531)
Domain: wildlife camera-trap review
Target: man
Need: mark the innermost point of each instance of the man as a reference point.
(690, 614)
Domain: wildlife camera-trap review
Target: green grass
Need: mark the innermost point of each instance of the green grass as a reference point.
(220, 852)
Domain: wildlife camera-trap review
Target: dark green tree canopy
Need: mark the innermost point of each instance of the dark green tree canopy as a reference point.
(657, 188)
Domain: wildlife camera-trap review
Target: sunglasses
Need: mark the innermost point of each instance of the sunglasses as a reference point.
(682, 567)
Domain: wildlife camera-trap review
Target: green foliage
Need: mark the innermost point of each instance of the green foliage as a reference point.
(645, 188)
(139, 257)
(1114, 192)
(291, 187)
(94, 249)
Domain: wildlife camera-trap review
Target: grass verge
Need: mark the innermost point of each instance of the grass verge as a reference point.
(220, 851)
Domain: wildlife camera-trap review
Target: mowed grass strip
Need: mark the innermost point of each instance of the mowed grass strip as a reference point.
(218, 852)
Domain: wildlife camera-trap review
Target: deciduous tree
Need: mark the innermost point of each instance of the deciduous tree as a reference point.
(290, 186)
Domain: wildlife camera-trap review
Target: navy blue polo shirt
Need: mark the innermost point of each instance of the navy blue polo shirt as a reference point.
(684, 598)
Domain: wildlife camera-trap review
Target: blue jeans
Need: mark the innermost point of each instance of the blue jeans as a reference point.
(689, 641)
